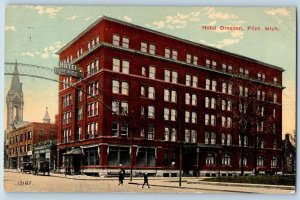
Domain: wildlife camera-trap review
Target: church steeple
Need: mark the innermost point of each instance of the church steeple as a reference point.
(46, 118)
(14, 101)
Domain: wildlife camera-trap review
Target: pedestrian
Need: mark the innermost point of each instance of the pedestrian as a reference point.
(146, 180)
(121, 177)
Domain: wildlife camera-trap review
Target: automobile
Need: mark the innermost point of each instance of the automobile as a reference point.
(26, 167)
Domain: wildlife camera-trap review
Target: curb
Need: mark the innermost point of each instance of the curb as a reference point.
(283, 187)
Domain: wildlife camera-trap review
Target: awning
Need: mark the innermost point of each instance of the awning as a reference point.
(76, 151)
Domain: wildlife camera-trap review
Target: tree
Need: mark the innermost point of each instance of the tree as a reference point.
(251, 114)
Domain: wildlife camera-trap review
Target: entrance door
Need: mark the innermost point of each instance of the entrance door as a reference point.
(76, 164)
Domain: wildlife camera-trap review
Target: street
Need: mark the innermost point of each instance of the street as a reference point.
(18, 182)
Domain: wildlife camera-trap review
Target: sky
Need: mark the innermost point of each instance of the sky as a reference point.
(34, 33)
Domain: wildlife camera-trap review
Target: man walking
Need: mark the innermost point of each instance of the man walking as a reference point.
(146, 180)
(121, 177)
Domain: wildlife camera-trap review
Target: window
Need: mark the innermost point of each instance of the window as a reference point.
(207, 63)
(166, 114)
(151, 93)
(93, 67)
(152, 72)
(174, 77)
(124, 129)
(167, 133)
(151, 130)
(274, 161)
(193, 136)
(115, 87)
(172, 97)
(210, 120)
(79, 113)
(79, 132)
(210, 138)
(275, 80)
(187, 116)
(210, 159)
(79, 95)
(174, 54)
(188, 58)
(195, 60)
(224, 67)
(144, 73)
(274, 112)
(274, 98)
(226, 160)
(124, 108)
(214, 64)
(174, 135)
(152, 49)
(187, 135)
(229, 139)
(194, 100)
(142, 132)
(211, 85)
(125, 42)
(210, 103)
(167, 52)
(92, 130)
(116, 40)
(187, 99)
(144, 47)
(173, 115)
(67, 100)
(260, 161)
(151, 112)
(115, 129)
(188, 80)
(194, 117)
(93, 89)
(245, 161)
(195, 81)
(116, 65)
(167, 76)
(245, 140)
(125, 88)
(125, 67)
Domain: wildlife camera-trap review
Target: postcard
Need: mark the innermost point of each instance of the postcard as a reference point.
(150, 99)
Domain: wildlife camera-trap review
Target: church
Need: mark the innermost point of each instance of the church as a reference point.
(26, 141)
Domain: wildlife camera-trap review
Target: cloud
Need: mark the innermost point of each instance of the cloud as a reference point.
(213, 14)
(27, 54)
(227, 42)
(41, 10)
(159, 24)
(278, 12)
(46, 51)
(126, 18)
(87, 18)
(72, 18)
(10, 28)
(177, 21)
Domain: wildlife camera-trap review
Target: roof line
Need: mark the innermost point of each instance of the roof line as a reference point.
(165, 35)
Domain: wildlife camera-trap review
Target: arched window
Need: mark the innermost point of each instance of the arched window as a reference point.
(274, 161)
(210, 159)
(260, 161)
(245, 161)
(226, 159)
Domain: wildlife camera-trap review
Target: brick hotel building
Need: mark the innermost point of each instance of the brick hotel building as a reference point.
(147, 97)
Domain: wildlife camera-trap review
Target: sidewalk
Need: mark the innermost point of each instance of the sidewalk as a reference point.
(167, 182)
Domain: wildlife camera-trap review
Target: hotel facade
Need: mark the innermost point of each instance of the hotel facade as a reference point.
(151, 101)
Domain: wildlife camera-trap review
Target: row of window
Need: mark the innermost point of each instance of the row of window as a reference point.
(20, 149)
(227, 160)
(21, 137)
(67, 100)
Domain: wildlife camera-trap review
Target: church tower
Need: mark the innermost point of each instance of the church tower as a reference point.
(14, 101)
(46, 118)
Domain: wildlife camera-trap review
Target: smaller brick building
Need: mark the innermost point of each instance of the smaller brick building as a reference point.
(23, 139)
